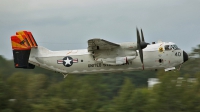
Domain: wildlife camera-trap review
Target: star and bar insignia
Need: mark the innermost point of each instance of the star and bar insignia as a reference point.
(67, 61)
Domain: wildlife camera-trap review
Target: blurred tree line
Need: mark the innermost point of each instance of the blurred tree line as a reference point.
(40, 90)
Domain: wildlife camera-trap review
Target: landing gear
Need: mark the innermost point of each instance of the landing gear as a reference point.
(180, 67)
(65, 75)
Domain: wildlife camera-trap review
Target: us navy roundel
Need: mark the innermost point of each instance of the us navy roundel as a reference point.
(67, 61)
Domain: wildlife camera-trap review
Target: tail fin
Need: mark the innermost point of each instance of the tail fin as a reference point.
(22, 43)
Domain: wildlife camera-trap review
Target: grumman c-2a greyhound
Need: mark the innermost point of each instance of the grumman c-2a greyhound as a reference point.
(101, 56)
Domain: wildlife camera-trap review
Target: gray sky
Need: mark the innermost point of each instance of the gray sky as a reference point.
(68, 24)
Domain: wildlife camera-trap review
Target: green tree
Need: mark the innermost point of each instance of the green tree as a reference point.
(51, 105)
(196, 50)
(191, 94)
(140, 100)
(122, 102)
(64, 92)
(168, 93)
(4, 95)
(18, 84)
(89, 95)
(176, 94)
(36, 86)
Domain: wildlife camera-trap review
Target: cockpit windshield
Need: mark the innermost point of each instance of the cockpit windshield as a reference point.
(171, 47)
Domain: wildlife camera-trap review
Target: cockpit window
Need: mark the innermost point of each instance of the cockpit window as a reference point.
(170, 47)
(167, 47)
(174, 47)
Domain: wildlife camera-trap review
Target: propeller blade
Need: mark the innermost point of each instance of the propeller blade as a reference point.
(139, 44)
(141, 55)
(138, 37)
(142, 35)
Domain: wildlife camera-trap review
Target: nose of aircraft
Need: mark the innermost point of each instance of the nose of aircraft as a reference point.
(185, 56)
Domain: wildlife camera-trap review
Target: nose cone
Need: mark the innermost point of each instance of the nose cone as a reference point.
(185, 56)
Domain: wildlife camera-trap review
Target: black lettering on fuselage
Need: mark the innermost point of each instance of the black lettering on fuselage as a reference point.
(94, 65)
(106, 65)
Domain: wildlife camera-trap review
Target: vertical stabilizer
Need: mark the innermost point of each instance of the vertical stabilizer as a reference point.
(22, 43)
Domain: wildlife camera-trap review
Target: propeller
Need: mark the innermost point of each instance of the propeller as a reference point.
(141, 44)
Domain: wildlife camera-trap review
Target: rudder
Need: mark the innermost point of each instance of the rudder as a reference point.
(22, 43)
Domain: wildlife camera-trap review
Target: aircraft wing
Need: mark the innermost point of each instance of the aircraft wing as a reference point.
(100, 44)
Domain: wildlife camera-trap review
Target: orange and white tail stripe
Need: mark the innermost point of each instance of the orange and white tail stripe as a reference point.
(23, 40)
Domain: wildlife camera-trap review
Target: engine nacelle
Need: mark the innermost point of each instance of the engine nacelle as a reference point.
(117, 60)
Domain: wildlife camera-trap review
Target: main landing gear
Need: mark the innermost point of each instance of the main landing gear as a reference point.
(65, 75)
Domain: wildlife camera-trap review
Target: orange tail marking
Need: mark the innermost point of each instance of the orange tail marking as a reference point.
(28, 38)
(18, 43)
(32, 38)
(23, 40)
